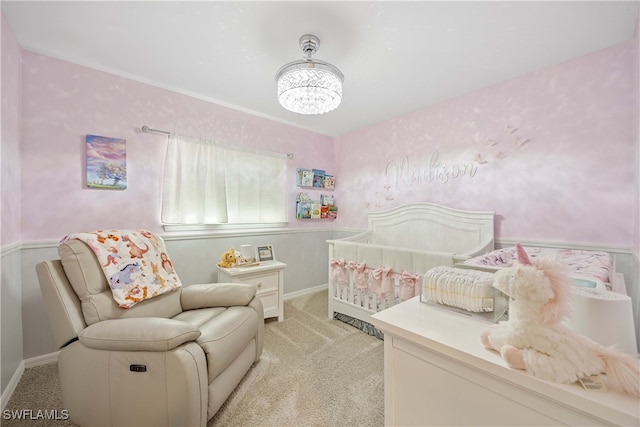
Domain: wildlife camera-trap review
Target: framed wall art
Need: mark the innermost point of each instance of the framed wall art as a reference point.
(106, 160)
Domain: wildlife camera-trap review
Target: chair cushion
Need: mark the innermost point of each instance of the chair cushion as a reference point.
(225, 332)
(139, 334)
(90, 284)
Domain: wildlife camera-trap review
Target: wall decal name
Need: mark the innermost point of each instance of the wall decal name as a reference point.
(401, 174)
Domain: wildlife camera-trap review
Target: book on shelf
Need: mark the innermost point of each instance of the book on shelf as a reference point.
(318, 178)
(327, 199)
(324, 212)
(303, 210)
(329, 182)
(333, 212)
(304, 177)
(315, 210)
(303, 197)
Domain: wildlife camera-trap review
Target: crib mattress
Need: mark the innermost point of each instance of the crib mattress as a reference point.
(587, 268)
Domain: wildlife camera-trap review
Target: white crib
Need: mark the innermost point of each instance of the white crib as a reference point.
(385, 265)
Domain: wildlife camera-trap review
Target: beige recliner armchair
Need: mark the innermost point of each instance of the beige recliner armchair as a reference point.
(171, 360)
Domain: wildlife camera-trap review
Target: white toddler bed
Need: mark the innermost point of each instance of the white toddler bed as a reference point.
(385, 265)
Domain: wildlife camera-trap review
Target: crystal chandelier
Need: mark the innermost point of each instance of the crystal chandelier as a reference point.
(308, 86)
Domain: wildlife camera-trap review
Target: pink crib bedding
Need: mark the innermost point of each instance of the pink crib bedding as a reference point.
(582, 264)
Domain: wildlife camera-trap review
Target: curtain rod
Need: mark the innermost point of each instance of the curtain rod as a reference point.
(147, 129)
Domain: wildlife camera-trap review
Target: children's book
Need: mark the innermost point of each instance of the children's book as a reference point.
(303, 210)
(304, 177)
(327, 199)
(333, 212)
(318, 178)
(329, 182)
(303, 197)
(315, 210)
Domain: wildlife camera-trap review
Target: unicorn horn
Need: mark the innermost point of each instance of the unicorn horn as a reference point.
(523, 258)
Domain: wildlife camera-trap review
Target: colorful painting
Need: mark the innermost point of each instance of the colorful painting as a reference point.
(106, 162)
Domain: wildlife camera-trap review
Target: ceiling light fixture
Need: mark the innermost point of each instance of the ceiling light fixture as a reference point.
(308, 86)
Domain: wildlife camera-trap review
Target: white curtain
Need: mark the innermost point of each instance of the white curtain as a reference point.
(206, 183)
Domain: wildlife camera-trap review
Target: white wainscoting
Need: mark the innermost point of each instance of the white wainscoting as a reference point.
(27, 338)
(11, 320)
(194, 257)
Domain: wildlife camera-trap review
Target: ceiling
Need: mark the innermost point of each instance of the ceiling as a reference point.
(397, 57)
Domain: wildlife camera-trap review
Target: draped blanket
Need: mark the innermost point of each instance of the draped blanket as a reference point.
(135, 263)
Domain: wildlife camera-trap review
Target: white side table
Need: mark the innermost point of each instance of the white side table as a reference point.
(268, 276)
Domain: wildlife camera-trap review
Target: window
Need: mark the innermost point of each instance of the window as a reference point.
(207, 183)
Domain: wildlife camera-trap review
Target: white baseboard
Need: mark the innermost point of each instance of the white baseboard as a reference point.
(305, 291)
(13, 383)
(43, 359)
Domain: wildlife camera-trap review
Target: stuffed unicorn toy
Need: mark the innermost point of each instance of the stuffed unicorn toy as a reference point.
(534, 338)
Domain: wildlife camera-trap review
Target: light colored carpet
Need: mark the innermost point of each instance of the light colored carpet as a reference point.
(313, 372)
(38, 390)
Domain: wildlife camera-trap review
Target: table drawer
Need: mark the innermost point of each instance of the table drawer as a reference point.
(264, 282)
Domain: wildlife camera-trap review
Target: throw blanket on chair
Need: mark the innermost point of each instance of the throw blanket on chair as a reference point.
(135, 263)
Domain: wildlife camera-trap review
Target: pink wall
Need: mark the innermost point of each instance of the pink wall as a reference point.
(10, 134)
(552, 153)
(63, 102)
(557, 149)
(637, 138)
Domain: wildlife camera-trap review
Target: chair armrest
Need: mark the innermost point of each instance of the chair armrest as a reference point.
(138, 334)
(194, 297)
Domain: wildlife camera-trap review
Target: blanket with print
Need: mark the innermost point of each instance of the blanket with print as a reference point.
(135, 263)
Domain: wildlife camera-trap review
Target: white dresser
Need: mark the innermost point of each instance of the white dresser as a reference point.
(437, 372)
(268, 277)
